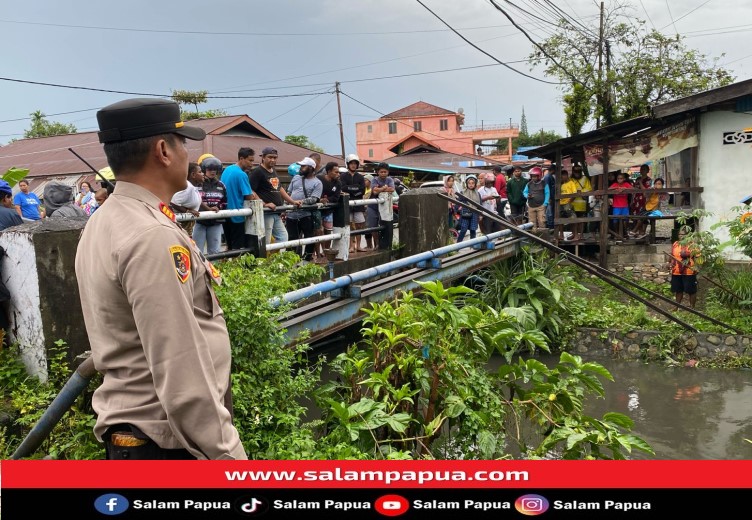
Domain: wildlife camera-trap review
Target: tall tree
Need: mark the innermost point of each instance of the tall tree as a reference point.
(642, 68)
(523, 123)
(40, 127)
(190, 97)
(195, 98)
(302, 140)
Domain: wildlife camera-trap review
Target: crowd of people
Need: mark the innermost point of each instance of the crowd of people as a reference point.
(529, 197)
(296, 211)
(58, 201)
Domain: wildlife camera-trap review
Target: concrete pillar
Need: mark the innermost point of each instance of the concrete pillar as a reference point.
(422, 221)
(39, 271)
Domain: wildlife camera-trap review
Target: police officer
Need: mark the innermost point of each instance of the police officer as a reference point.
(156, 330)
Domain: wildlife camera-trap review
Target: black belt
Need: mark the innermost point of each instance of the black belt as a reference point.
(127, 442)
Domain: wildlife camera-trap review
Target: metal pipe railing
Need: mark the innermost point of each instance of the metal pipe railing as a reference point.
(303, 241)
(246, 212)
(359, 276)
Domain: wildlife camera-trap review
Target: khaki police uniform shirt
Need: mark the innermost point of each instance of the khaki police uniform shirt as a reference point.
(156, 330)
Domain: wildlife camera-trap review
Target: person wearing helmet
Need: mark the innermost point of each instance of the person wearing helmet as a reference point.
(8, 215)
(537, 194)
(468, 217)
(354, 185)
(208, 233)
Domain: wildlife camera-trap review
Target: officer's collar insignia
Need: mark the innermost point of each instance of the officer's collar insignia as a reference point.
(214, 273)
(182, 259)
(164, 208)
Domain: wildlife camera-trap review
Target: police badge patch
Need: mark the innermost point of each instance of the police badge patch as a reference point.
(182, 259)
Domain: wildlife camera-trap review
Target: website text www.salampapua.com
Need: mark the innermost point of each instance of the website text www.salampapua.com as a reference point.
(385, 477)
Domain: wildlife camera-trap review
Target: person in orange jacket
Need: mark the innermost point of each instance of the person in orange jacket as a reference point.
(684, 258)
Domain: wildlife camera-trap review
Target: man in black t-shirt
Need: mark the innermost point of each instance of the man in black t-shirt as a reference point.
(265, 184)
(354, 184)
(329, 195)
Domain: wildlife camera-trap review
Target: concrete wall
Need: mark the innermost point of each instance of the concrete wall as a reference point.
(39, 271)
(725, 170)
(637, 344)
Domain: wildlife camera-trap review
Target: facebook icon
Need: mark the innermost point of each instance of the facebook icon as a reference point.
(111, 504)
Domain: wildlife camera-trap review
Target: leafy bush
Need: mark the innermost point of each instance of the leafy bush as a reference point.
(269, 379)
(418, 386)
(26, 398)
(538, 280)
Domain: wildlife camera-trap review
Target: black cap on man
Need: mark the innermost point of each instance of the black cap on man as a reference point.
(143, 117)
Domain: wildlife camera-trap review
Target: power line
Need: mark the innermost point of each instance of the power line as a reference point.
(537, 45)
(672, 17)
(50, 115)
(424, 73)
(484, 52)
(313, 116)
(685, 14)
(646, 14)
(92, 89)
(225, 33)
(81, 88)
(293, 108)
(433, 51)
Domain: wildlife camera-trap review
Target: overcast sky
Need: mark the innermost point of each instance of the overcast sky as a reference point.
(290, 47)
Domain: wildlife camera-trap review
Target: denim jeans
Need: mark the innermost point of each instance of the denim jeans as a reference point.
(274, 227)
(209, 236)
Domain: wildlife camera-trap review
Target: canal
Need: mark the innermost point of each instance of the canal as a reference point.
(682, 413)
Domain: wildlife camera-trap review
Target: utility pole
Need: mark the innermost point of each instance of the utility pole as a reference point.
(599, 93)
(339, 113)
(609, 111)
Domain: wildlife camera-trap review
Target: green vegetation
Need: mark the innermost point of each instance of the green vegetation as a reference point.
(641, 67)
(303, 141)
(41, 127)
(195, 98)
(26, 398)
(416, 387)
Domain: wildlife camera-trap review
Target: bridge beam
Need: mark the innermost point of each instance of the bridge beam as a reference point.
(331, 314)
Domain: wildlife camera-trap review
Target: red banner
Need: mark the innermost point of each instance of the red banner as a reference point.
(376, 474)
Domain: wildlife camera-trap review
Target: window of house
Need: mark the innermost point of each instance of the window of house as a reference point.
(370, 152)
(417, 126)
(443, 124)
(370, 129)
(393, 127)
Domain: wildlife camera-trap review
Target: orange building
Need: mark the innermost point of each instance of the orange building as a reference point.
(425, 124)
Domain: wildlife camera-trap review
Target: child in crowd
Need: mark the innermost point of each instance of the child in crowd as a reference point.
(657, 201)
(468, 217)
(639, 200)
(620, 201)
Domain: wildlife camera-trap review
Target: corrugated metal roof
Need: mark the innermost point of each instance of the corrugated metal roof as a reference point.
(418, 109)
(439, 162)
(49, 156)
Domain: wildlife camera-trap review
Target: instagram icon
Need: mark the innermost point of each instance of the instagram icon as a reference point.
(531, 505)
